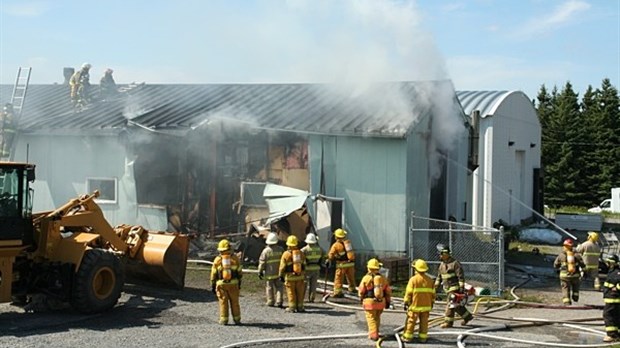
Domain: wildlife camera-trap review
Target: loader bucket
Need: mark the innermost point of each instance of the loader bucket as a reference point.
(161, 260)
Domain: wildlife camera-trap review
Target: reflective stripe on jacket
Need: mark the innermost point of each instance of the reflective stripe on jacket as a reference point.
(420, 293)
(235, 267)
(269, 261)
(451, 275)
(366, 292)
(286, 267)
(561, 263)
(611, 286)
(314, 257)
(590, 252)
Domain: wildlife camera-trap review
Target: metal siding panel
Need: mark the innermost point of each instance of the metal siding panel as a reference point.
(375, 200)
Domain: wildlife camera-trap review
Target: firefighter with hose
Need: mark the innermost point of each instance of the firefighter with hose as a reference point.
(451, 275)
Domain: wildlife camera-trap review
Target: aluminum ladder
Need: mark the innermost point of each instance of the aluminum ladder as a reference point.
(19, 91)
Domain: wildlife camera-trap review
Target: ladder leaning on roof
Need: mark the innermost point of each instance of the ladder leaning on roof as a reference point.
(12, 112)
(19, 91)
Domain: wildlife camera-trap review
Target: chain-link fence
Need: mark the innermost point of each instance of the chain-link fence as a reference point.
(479, 249)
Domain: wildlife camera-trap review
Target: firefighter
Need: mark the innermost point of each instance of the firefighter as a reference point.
(268, 263)
(375, 294)
(107, 85)
(451, 275)
(590, 252)
(418, 301)
(291, 272)
(569, 264)
(226, 275)
(314, 259)
(80, 84)
(611, 297)
(8, 129)
(342, 254)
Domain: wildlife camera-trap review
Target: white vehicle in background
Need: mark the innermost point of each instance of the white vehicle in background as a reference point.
(611, 205)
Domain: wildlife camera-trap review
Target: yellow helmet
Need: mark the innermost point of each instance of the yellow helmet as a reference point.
(223, 245)
(340, 233)
(291, 241)
(373, 264)
(419, 265)
(593, 236)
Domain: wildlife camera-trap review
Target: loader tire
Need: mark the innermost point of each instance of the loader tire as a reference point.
(98, 282)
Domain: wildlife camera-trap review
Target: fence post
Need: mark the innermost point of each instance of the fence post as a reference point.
(501, 258)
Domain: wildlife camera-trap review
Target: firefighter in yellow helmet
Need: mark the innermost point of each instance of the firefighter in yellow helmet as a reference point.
(418, 301)
(292, 266)
(376, 295)
(226, 275)
(342, 254)
(570, 264)
(452, 276)
(590, 252)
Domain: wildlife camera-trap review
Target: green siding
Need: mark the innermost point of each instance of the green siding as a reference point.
(370, 174)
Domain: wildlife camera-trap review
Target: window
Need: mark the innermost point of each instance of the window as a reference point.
(106, 187)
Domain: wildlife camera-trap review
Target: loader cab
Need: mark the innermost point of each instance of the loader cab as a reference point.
(16, 202)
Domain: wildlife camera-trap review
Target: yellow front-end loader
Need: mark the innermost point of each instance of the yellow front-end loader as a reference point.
(72, 254)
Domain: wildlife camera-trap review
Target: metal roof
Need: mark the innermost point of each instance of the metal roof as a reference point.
(385, 109)
(484, 101)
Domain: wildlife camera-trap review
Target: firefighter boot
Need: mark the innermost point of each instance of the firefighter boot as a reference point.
(446, 325)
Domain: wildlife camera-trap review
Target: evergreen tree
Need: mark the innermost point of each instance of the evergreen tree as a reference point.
(607, 139)
(590, 163)
(567, 124)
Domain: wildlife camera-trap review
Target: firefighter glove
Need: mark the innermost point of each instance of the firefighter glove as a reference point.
(213, 287)
(239, 283)
(328, 263)
(406, 306)
(261, 275)
(282, 279)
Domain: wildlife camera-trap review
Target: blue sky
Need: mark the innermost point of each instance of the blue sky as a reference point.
(478, 44)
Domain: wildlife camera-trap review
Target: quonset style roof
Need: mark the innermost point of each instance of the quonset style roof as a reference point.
(386, 109)
(485, 101)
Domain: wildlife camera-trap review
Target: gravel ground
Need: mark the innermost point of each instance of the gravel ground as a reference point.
(149, 317)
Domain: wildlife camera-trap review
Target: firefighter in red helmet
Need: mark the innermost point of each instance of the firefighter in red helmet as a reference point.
(570, 264)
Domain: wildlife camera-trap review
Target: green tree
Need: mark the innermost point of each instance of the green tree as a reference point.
(590, 163)
(607, 139)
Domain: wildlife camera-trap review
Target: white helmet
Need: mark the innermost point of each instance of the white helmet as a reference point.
(272, 239)
(86, 66)
(311, 238)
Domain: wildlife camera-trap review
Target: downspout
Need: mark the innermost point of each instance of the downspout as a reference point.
(213, 188)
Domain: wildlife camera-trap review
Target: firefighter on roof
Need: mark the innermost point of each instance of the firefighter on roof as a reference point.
(80, 85)
(569, 264)
(342, 254)
(7, 132)
(226, 275)
(292, 266)
(419, 299)
(268, 264)
(375, 294)
(451, 275)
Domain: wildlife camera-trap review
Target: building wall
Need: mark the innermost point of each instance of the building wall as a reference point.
(509, 151)
(63, 163)
(370, 174)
